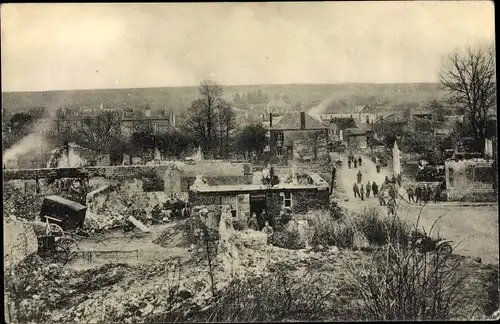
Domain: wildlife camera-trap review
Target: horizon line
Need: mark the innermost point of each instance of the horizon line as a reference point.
(226, 85)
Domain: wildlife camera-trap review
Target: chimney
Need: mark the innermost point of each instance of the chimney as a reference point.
(270, 120)
(302, 120)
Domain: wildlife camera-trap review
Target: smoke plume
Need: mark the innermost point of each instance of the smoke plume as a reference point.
(33, 143)
(320, 109)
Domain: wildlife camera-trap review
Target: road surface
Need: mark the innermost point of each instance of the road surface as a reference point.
(474, 229)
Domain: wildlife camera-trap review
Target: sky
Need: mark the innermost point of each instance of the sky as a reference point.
(95, 46)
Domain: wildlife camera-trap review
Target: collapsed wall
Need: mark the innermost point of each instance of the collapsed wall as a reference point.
(20, 241)
(469, 179)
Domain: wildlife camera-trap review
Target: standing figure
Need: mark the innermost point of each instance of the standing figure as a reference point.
(268, 230)
(360, 176)
(378, 168)
(374, 189)
(392, 192)
(355, 189)
(399, 179)
(386, 181)
(355, 163)
(418, 194)
(253, 223)
(391, 207)
(349, 163)
(409, 191)
(362, 191)
(368, 189)
(359, 160)
(381, 198)
(424, 194)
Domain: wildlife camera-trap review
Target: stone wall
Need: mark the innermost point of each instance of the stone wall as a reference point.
(469, 179)
(19, 242)
(302, 201)
(122, 172)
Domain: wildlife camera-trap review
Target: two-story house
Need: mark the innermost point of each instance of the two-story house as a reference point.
(287, 129)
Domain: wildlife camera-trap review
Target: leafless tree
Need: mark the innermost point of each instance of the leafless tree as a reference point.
(203, 115)
(100, 133)
(469, 78)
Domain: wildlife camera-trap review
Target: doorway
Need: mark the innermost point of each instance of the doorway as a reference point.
(257, 204)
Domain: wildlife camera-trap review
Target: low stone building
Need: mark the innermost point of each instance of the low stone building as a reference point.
(246, 199)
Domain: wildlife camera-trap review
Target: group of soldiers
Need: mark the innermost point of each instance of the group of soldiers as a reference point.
(423, 194)
(360, 190)
(352, 160)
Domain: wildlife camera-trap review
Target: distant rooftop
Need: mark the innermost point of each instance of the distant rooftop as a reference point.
(291, 121)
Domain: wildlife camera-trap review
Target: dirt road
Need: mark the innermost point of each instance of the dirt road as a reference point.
(474, 229)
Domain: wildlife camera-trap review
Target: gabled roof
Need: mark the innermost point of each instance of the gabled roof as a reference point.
(368, 110)
(343, 123)
(291, 121)
(277, 103)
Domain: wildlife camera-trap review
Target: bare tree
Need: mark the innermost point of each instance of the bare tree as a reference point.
(469, 78)
(226, 123)
(99, 133)
(202, 119)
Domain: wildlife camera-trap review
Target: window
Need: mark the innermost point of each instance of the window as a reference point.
(279, 136)
(287, 201)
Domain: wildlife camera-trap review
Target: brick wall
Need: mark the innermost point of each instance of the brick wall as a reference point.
(19, 242)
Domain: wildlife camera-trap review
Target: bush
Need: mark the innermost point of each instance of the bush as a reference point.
(278, 296)
(401, 283)
(379, 230)
(328, 231)
(239, 225)
(287, 239)
(152, 182)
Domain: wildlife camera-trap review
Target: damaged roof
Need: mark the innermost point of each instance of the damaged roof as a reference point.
(291, 121)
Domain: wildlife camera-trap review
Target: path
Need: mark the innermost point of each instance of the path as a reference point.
(474, 226)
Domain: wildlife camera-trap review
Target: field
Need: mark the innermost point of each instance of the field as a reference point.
(177, 98)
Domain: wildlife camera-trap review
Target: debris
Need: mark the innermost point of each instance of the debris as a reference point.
(138, 224)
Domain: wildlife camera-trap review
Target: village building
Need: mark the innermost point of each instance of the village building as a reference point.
(289, 128)
(367, 115)
(246, 199)
(338, 126)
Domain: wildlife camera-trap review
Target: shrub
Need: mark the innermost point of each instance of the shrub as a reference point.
(328, 231)
(277, 296)
(152, 182)
(287, 239)
(379, 230)
(403, 284)
(400, 282)
(239, 225)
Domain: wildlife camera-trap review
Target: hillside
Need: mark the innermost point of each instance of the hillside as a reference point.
(177, 98)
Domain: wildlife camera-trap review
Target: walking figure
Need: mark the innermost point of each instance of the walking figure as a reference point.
(423, 194)
(368, 189)
(362, 192)
(418, 194)
(411, 198)
(359, 160)
(381, 198)
(392, 192)
(391, 207)
(356, 190)
(360, 176)
(374, 189)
